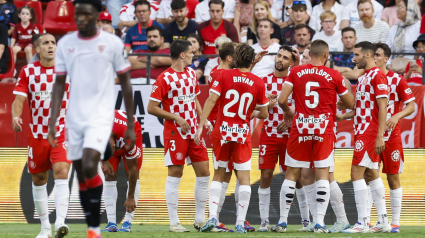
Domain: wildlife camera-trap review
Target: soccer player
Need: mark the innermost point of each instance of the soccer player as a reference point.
(36, 82)
(91, 57)
(177, 89)
(231, 137)
(132, 162)
(369, 114)
(315, 88)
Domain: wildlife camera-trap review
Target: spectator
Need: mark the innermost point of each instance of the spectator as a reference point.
(4, 49)
(266, 65)
(114, 7)
(389, 14)
(210, 30)
(155, 38)
(182, 26)
(136, 35)
(198, 63)
(35, 57)
(413, 72)
(243, 17)
(298, 15)
(104, 19)
(281, 11)
(329, 34)
(215, 61)
(202, 9)
(127, 17)
(326, 5)
(108, 28)
(350, 15)
(165, 14)
(371, 29)
(261, 11)
(23, 32)
(8, 15)
(302, 37)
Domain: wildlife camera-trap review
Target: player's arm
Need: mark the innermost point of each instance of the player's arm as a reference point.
(392, 122)
(127, 91)
(156, 60)
(258, 58)
(208, 106)
(345, 116)
(347, 99)
(382, 117)
(156, 110)
(353, 74)
(17, 107)
(57, 96)
(127, 24)
(283, 97)
(261, 113)
(132, 171)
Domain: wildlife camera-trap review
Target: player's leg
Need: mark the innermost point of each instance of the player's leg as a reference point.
(369, 204)
(128, 218)
(337, 203)
(224, 185)
(396, 195)
(110, 194)
(60, 173)
(40, 197)
(28, 52)
(308, 180)
(16, 49)
(303, 205)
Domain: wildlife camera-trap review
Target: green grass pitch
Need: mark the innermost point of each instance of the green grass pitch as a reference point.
(78, 230)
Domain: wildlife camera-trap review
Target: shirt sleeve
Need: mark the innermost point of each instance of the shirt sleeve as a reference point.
(121, 64)
(123, 14)
(167, 34)
(289, 79)
(229, 11)
(380, 86)
(262, 98)
(161, 11)
(378, 8)
(127, 41)
(232, 33)
(21, 87)
(391, 36)
(309, 8)
(14, 16)
(15, 34)
(341, 88)
(198, 13)
(405, 91)
(159, 90)
(346, 13)
(217, 85)
(60, 66)
(384, 35)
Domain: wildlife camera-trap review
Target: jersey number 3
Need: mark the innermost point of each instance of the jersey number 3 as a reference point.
(242, 100)
(309, 93)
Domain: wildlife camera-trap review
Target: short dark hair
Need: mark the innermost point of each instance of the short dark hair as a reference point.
(141, 3)
(177, 47)
(178, 4)
(155, 28)
(346, 29)
(34, 38)
(41, 35)
(198, 39)
(219, 2)
(268, 20)
(384, 47)
(364, 1)
(366, 46)
(226, 49)
(289, 49)
(244, 56)
(301, 26)
(299, 6)
(97, 4)
(319, 48)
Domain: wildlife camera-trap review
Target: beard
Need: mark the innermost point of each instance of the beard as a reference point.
(282, 68)
(302, 46)
(366, 18)
(153, 48)
(362, 63)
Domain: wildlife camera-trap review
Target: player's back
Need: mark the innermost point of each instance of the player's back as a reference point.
(215, 72)
(120, 126)
(315, 90)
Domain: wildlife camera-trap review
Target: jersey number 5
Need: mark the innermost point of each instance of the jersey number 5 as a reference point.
(236, 98)
(309, 93)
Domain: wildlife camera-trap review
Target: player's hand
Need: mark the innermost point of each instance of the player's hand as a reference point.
(339, 117)
(209, 127)
(287, 118)
(272, 100)
(198, 135)
(341, 106)
(282, 126)
(51, 138)
(296, 54)
(183, 124)
(130, 205)
(107, 168)
(129, 138)
(259, 56)
(379, 145)
(17, 124)
(391, 123)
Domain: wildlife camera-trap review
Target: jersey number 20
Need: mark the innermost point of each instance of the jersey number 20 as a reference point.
(242, 100)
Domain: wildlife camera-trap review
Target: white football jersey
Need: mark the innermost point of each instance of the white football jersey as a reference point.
(91, 65)
(266, 65)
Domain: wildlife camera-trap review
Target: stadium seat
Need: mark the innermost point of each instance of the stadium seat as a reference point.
(37, 8)
(59, 18)
(10, 66)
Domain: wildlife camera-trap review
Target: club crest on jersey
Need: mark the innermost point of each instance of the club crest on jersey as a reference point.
(261, 160)
(101, 48)
(30, 31)
(358, 146)
(215, 83)
(179, 156)
(32, 164)
(408, 91)
(71, 50)
(395, 155)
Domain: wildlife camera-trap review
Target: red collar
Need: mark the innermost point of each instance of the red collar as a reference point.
(140, 25)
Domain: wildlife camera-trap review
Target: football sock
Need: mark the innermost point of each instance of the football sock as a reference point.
(237, 195)
(214, 202)
(94, 191)
(201, 197)
(172, 197)
(110, 194)
(378, 193)
(322, 200)
(310, 192)
(95, 229)
(396, 199)
(337, 202)
(130, 215)
(369, 203)
(40, 197)
(84, 200)
(302, 203)
(224, 187)
(287, 192)
(61, 200)
(244, 197)
(264, 203)
(360, 195)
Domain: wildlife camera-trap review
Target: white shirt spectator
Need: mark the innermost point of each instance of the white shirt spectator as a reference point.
(377, 33)
(277, 9)
(351, 13)
(127, 12)
(334, 41)
(164, 9)
(412, 33)
(318, 9)
(266, 65)
(202, 10)
(210, 65)
(346, 2)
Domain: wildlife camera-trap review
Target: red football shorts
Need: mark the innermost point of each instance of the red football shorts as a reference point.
(42, 157)
(24, 45)
(364, 152)
(239, 153)
(271, 151)
(392, 157)
(177, 151)
(302, 150)
(116, 159)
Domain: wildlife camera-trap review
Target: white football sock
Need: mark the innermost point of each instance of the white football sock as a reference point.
(369, 203)
(110, 194)
(396, 199)
(287, 193)
(214, 201)
(40, 197)
(378, 193)
(322, 200)
(337, 202)
(302, 203)
(172, 197)
(243, 203)
(310, 192)
(61, 200)
(201, 197)
(224, 187)
(95, 229)
(130, 215)
(360, 195)
(237, 195)
(264, 203)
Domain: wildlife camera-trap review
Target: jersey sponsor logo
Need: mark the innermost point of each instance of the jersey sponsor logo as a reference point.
(360, 94)
(26, 37)
(210, 44)
(243, 80)
(408, 91)
(139, 43)
(382, 86)
(187, 98)
(44, 95)
(315, 71)
(234, 129)
(358, 146)
(311, 119)
(179, 156)
(119, 121)
(395, 155)
(308, 138)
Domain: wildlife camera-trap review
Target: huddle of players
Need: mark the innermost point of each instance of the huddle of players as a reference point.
(299, 109)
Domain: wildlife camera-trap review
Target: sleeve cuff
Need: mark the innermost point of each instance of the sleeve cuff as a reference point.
(405, 102)
(382, 96)
(214, 91)
(346, 91)
(20, 93)
(263, 105)
(198, 93)
(61, 73)
(126, 44)
(289, 83)
(154, 99)
(124, 70)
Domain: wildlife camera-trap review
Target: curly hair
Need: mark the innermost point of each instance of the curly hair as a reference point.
(244, 56)
(97, 4)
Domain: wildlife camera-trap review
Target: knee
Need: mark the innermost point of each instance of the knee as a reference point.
(16, 49)
(266, 176)
(39, 179)
(61, 173)
(90, 170)
(393, 182)
(28, 49)
(109, 177)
